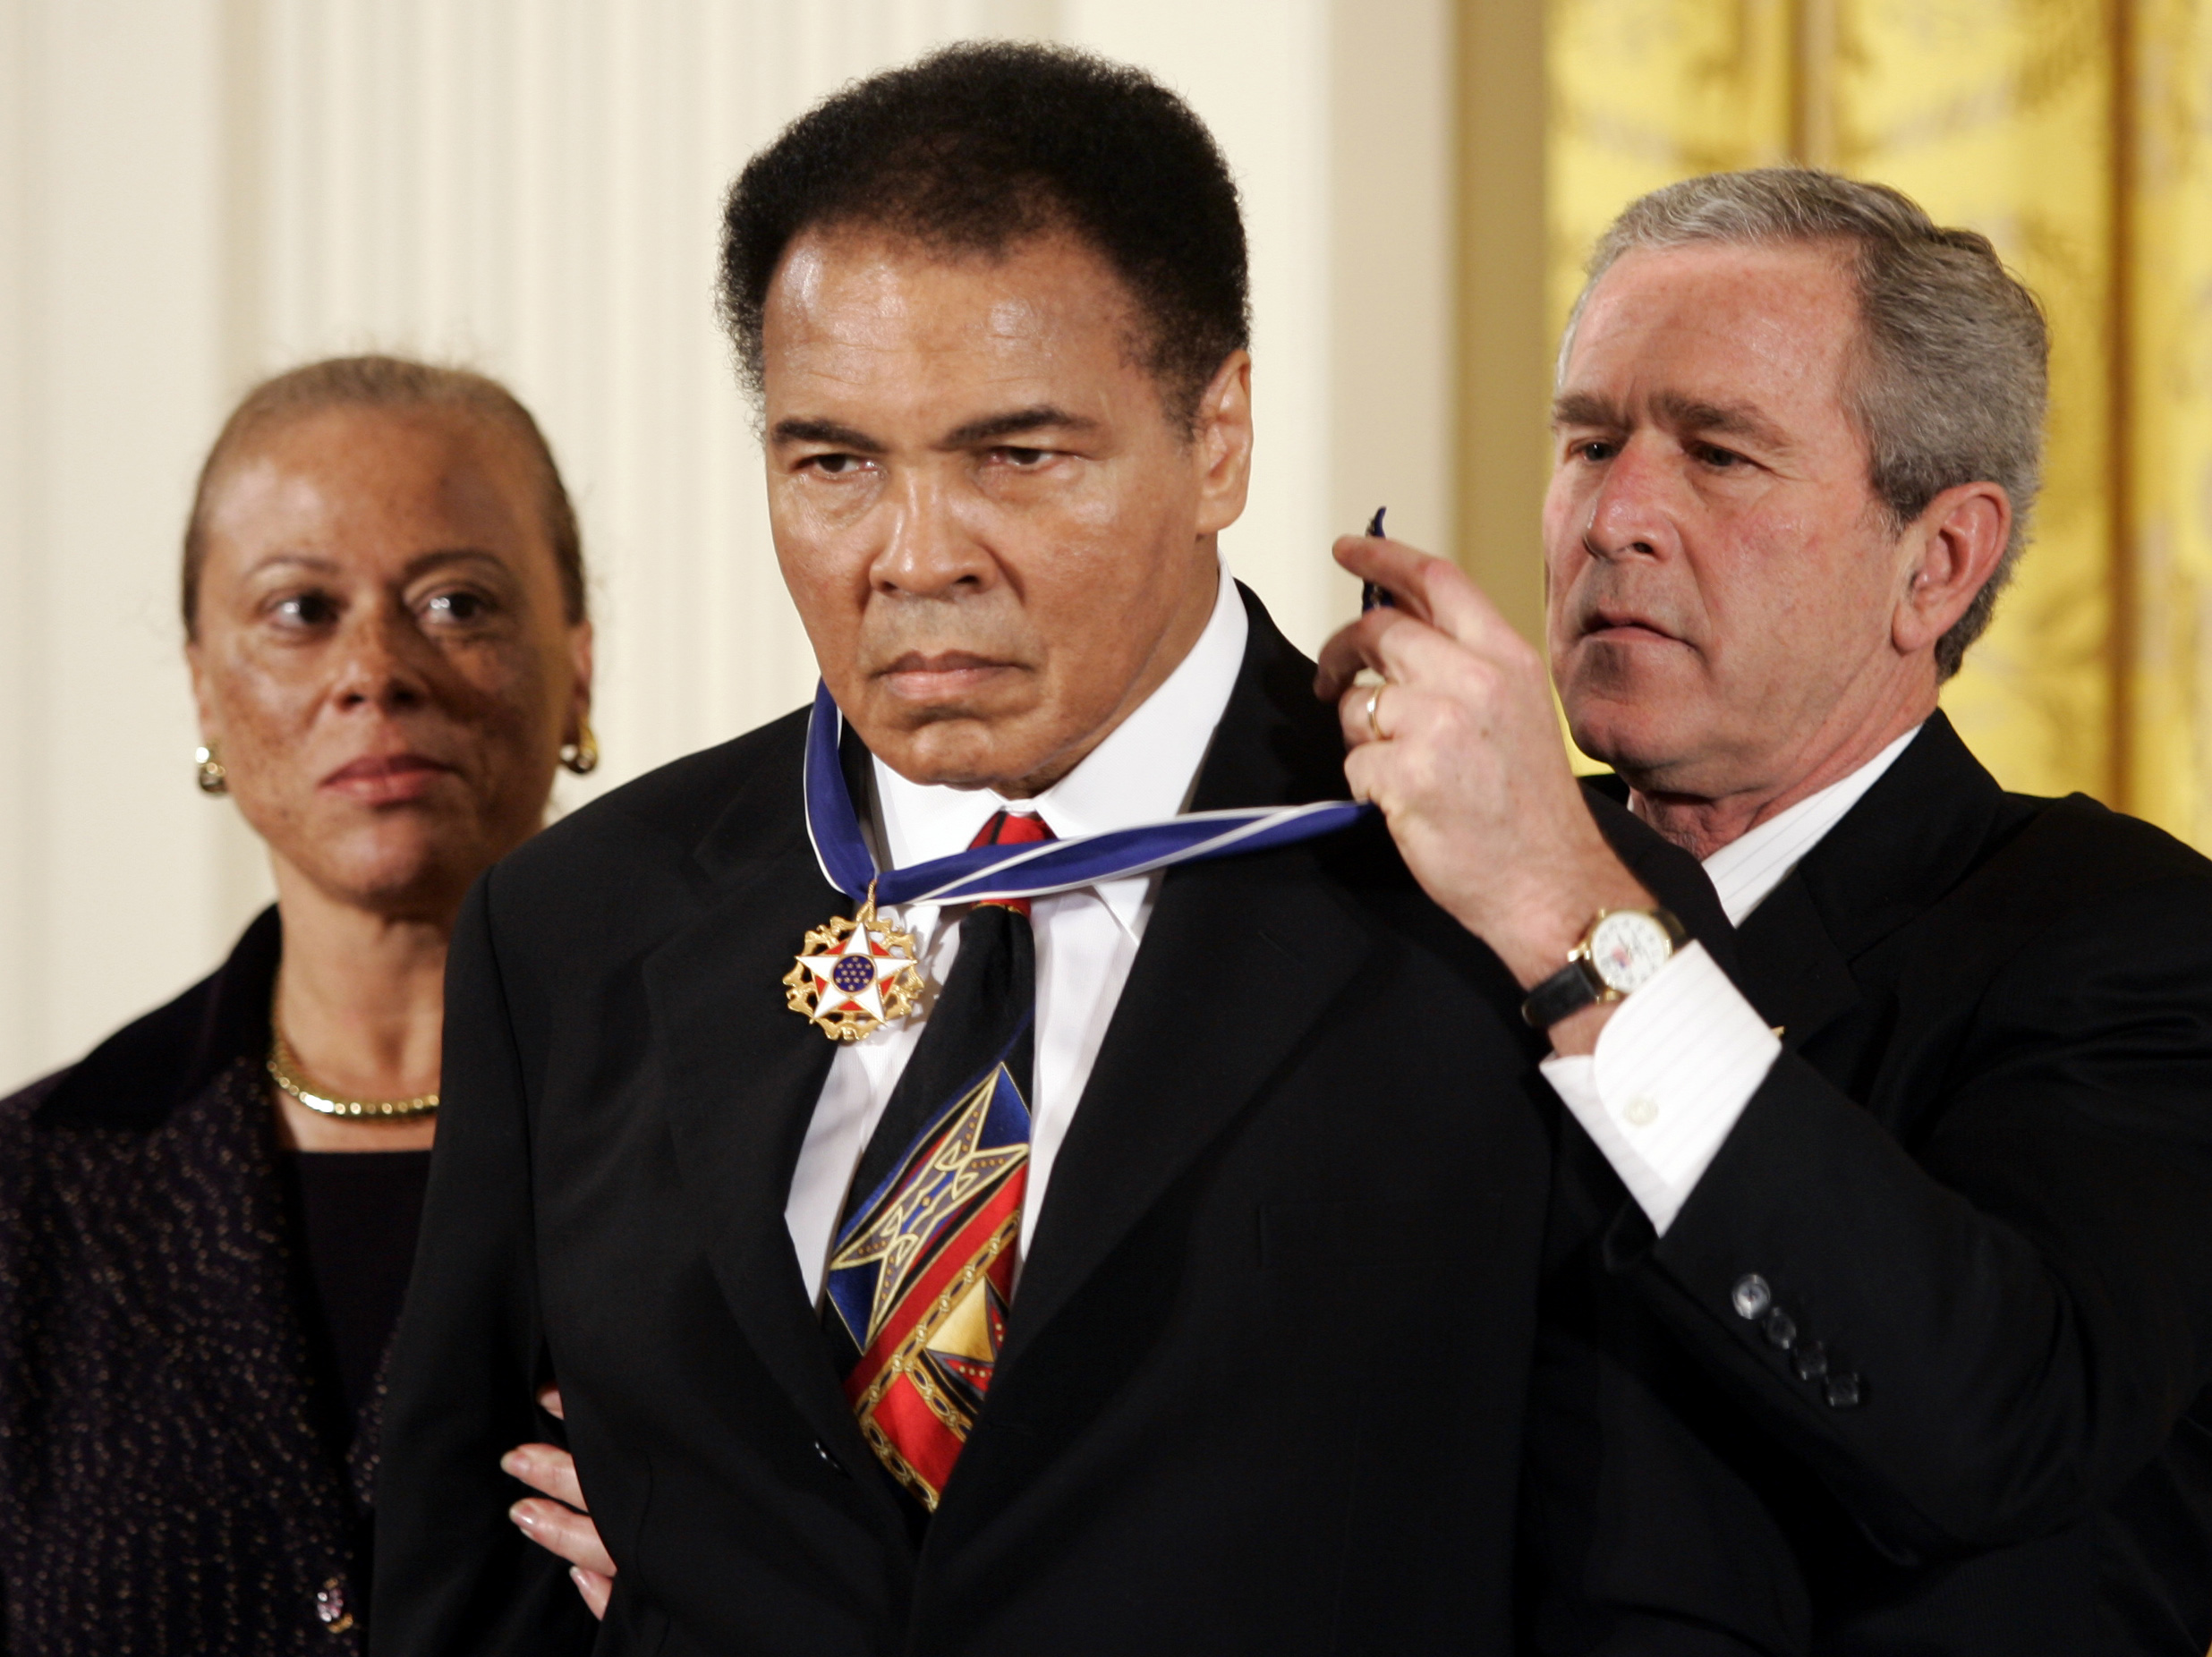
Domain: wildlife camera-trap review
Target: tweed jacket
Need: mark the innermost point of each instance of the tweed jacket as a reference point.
(167, 1483)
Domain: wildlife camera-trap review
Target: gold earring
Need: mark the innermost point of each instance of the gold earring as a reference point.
(213, 777)
(582, 756)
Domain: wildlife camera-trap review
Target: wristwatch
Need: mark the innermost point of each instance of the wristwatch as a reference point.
(1619, 953)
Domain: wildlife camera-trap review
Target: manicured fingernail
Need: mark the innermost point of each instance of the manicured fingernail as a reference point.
(523, 1516)
(514, 1463)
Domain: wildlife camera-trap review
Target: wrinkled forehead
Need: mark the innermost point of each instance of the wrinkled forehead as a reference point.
(1716, 323)
(860, 308)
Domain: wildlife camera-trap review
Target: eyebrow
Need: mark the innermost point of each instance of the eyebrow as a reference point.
(1015, 423)
(312, 561)
(1585, 408)
(416, 566)
(423, 562)
(802, 431)
(1725, 419)
(986, 429)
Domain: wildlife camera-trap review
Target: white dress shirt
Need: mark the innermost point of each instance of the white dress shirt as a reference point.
(1087, 938)
(1677, 1064)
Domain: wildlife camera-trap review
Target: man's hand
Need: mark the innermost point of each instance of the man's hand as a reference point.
(1468, 768)
(562, 1526)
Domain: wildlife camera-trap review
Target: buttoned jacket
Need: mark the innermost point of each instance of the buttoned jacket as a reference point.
(1264, 1376)
(1921, 1364)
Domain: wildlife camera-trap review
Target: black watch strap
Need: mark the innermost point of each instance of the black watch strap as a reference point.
(1572, 988)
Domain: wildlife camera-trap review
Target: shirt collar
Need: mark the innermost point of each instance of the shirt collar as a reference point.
(1144, 771)
(1749, 867)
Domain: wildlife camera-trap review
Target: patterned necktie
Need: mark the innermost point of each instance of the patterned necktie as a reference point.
(923, 1267)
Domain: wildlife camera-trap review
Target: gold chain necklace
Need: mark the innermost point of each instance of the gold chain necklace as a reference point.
(281, 1061)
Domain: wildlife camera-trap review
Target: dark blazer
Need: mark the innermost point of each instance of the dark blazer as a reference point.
(1263, 1384)
(1978, 1184)
(166, 1484)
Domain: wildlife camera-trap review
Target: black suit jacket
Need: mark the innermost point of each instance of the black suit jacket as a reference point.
(1981, 1180)
(171, 1474)
(1264, 1379)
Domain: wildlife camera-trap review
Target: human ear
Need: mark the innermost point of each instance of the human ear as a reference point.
(1955, 546)
(580, 680)
(1222, 444)
(203, 700)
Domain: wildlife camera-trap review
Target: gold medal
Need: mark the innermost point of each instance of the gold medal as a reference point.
(854, 976)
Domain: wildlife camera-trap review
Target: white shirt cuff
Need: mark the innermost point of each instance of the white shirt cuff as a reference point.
(1673, 1069)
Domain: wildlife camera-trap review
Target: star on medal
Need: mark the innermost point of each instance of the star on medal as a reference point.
(853, 977)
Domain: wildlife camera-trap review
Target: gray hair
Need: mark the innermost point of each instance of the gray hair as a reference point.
(1952, 365)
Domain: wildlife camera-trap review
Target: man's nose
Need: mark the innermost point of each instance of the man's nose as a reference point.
(1630, 512)
(379, 662)
(930, 549)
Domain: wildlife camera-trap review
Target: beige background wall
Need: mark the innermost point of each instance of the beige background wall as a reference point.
(195, 192)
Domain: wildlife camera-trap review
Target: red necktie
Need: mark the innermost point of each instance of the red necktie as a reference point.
(923, 1268)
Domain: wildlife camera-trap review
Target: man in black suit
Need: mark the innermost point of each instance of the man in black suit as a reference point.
(841, 1372)
(1880, 1313)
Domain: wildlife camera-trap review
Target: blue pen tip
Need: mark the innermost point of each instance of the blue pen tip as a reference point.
(1374, 524)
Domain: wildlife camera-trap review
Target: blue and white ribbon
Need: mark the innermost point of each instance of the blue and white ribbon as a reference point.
(1000, 871)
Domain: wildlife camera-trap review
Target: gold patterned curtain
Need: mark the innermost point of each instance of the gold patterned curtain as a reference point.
(2077, 134)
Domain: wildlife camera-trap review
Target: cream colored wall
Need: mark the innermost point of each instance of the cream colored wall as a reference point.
(1393, 435)
(195, 193)
(111, 890)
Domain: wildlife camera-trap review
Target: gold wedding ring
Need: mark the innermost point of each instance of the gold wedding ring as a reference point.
(1374, 698)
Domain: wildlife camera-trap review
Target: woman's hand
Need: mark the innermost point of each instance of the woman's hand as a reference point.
(563, 1525)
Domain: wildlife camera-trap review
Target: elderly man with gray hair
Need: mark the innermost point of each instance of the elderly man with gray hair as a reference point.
(1881, 1265)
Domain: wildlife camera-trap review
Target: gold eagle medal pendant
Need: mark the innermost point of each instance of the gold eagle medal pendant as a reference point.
(853, 977)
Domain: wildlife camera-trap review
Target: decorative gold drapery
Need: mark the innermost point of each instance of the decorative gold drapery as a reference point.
(2166, 435)
(2077, 135)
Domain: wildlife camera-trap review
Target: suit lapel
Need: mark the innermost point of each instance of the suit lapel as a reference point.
(738, 1074)
(1915, 835)
(1239, 958)
(1797, 977)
